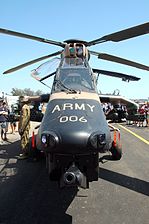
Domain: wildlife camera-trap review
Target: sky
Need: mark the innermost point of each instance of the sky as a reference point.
(66, 19)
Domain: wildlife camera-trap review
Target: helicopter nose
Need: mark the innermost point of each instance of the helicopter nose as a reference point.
(75, 138)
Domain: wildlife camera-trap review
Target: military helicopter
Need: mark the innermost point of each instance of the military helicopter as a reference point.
(118, 107)
(74, 129)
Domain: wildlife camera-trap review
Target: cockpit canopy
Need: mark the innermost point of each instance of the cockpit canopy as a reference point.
(79, 79)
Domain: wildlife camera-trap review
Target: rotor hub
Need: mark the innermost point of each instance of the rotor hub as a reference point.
(70, 41)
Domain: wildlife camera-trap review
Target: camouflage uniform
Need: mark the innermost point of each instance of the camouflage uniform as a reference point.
(24, 127)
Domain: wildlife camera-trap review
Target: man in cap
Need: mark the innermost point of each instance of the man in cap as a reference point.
(24, 126)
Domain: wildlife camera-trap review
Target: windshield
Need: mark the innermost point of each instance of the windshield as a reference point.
(74, 79)
(70, 62)
(45, 68)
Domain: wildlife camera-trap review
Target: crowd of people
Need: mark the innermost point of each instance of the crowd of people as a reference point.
(8, 121)
(114, 112)
(123, 112)
(6, 117)
(144, 110)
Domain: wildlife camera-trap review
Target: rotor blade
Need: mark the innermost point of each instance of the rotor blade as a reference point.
(123, 35)
(23, 35)
(47, 76)
(116, 74)
(123, 61)
(32, 62)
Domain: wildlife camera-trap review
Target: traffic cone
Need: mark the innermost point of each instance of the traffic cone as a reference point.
(33, 140)
(114, 138)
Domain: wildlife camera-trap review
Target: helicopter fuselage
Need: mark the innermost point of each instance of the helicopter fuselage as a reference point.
(74, 129)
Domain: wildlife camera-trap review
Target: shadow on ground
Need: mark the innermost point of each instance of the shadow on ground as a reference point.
(131, 183)
(27, 195)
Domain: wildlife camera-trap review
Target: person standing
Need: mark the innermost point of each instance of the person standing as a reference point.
(24, 127)
(12, 120)
(7, 111)
(43, 108)
(146, 109)
(3, 119)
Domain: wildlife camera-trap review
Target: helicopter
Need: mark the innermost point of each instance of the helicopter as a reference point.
(74, 130)
(118, 108)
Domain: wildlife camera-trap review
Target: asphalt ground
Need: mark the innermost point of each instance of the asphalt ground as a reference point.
(120, 196)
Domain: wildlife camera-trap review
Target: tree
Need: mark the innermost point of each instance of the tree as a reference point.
(25, 92)
(38, 93)
(17, 92)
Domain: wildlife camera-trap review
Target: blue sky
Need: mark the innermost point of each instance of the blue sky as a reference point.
(62, 19)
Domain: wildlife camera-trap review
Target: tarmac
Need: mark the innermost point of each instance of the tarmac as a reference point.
(121, 194)
(12, 137)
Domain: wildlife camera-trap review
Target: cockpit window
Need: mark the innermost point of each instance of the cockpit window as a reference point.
(76, 79)
(73, 62)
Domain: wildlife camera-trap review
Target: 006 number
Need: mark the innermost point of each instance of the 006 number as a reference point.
(64, 119)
